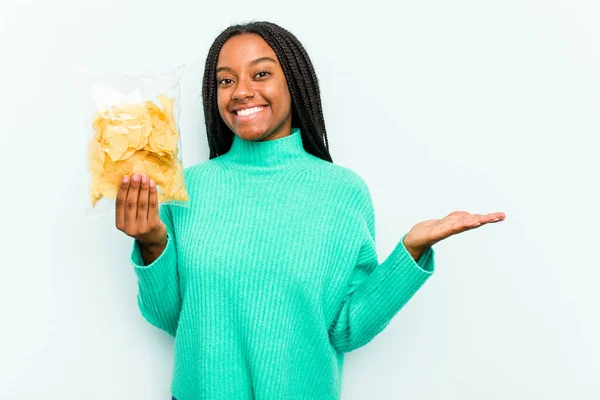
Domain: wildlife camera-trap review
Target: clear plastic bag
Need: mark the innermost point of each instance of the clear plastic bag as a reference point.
(132, 126)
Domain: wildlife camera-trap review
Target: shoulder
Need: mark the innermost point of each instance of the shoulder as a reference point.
(198, 170)
(348, 186)
(346, 177)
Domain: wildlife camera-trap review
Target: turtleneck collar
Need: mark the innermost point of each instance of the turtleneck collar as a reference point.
(266, 155)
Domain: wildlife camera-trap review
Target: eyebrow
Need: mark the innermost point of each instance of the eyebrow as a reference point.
(251, 63)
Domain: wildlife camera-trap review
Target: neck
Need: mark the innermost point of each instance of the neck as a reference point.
(269, 155)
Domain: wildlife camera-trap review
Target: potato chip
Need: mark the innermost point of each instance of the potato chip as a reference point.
(167, 104)
(137, 137)
(95, 156)
(116, 145)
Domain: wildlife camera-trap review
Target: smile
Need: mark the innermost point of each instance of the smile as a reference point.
(248, 113)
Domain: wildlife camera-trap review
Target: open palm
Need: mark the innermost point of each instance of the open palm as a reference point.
(427, 233)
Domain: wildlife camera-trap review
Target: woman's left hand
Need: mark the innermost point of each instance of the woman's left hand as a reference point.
(427, 233)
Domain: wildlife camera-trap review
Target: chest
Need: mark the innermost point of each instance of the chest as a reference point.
(246, 234)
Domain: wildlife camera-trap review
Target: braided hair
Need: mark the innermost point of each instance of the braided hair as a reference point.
(303, 86)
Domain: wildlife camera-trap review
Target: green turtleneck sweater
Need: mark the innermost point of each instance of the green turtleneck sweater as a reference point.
(271, 275)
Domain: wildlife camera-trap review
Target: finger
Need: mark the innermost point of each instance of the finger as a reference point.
(120, 203)
(473, 219)
(493, 217)
(153, 204)
(458, 213)
(463, 225)
(132, 201)
(142, 207)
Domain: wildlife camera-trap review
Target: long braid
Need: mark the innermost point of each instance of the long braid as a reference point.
(307, 113)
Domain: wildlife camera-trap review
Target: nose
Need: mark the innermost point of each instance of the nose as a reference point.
(243, 90)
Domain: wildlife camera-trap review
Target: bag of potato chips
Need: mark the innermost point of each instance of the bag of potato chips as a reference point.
(132, 126)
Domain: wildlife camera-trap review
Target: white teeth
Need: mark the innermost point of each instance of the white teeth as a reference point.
(249, 111)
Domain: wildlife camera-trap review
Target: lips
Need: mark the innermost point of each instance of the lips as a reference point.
(244, 118)
(249, 110)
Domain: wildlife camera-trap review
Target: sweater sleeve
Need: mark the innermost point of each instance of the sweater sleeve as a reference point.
(376, 291)
(159, 295)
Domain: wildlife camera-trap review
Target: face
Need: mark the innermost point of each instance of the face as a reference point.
(249, 77)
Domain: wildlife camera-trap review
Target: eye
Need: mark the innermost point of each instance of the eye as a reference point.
(220, 82)
(263, 72)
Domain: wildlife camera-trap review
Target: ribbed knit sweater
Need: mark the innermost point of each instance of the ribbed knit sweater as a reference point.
(271, 275)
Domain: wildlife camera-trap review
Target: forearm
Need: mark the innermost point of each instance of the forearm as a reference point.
(152, 247)
(159, 296)
(415, 253)
(152, 252)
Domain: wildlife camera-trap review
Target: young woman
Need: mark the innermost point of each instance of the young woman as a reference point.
(271, 275)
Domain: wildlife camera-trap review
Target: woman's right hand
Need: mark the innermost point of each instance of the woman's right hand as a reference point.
(137, 211)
